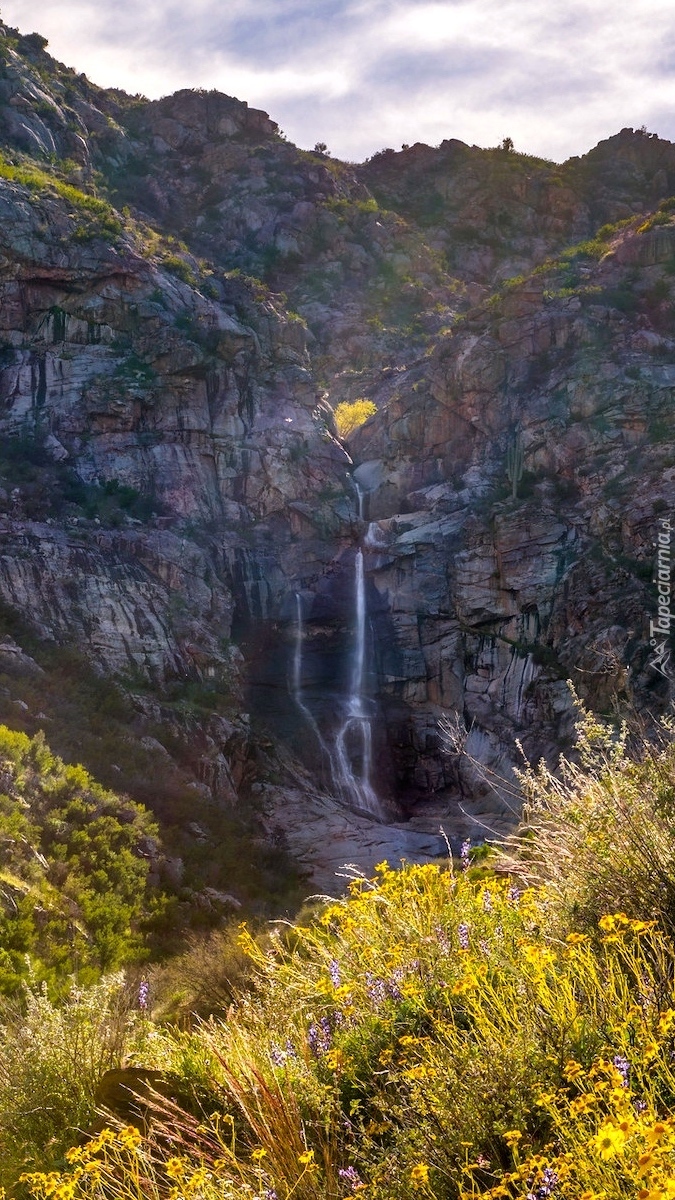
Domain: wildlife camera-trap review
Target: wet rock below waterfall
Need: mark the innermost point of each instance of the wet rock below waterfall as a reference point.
(324, 837)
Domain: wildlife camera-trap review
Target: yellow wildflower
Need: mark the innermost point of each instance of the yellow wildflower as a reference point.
(512, 1137)
(129, 1137)
(572, 1070)
(329, 914)
(646, 1162)
(65, 1191)
(306, 1158)
(576, 939)
(665, 1020)
(656, 1133)
(609, 1140)
(104, 1138)
(613, 922)
(420, 1174)
(467, 984)
(538, 956)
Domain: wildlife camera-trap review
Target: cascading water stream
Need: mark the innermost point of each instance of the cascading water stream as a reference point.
(354, 737)
(350, 755)
(297, 673)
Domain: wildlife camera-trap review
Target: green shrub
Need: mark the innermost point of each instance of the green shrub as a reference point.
(51, 1060)
(70, 868)
(180, 268)
(593, 248)
(205, 978)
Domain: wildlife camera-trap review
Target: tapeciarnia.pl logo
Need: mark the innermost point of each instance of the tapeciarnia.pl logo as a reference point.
(659, 629)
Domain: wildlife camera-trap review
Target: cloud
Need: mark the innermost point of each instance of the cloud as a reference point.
(362, 74)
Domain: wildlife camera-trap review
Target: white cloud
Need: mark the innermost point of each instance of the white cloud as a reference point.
(362, 74)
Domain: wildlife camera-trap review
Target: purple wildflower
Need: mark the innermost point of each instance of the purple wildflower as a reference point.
(546, 1186)
(393, 990)
(465, 854)
(351, 1177)
(143, 992)
(334, 972)
(270, 1194)
(279, 1056)
(463, 935)
(623, 1067)
(442, 939)
(484, 947)
(487, 900)
(375, 988)
(513, 896)
(320, 1036)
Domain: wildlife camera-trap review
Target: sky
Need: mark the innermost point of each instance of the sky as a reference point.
(361, 75)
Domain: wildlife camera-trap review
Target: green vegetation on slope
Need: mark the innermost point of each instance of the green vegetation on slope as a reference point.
(98, 218)
(74, 893)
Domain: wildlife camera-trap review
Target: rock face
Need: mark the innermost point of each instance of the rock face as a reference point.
(174, 499)
(496, 598)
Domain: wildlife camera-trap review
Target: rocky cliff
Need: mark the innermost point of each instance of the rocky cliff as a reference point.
(185, 296)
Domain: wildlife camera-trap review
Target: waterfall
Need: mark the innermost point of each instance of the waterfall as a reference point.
(350, 754)
(297, 673)
(354, 737)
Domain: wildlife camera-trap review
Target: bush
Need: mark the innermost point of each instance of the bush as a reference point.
(439, 1033)
(600, 833)
(74, 885)
(205, 978)
(349, 416)
(51, 1060)
(180, 268)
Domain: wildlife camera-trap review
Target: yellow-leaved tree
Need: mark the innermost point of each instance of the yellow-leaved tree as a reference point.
(349, 415)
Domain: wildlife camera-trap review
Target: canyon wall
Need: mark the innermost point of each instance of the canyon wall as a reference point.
(185, 296)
